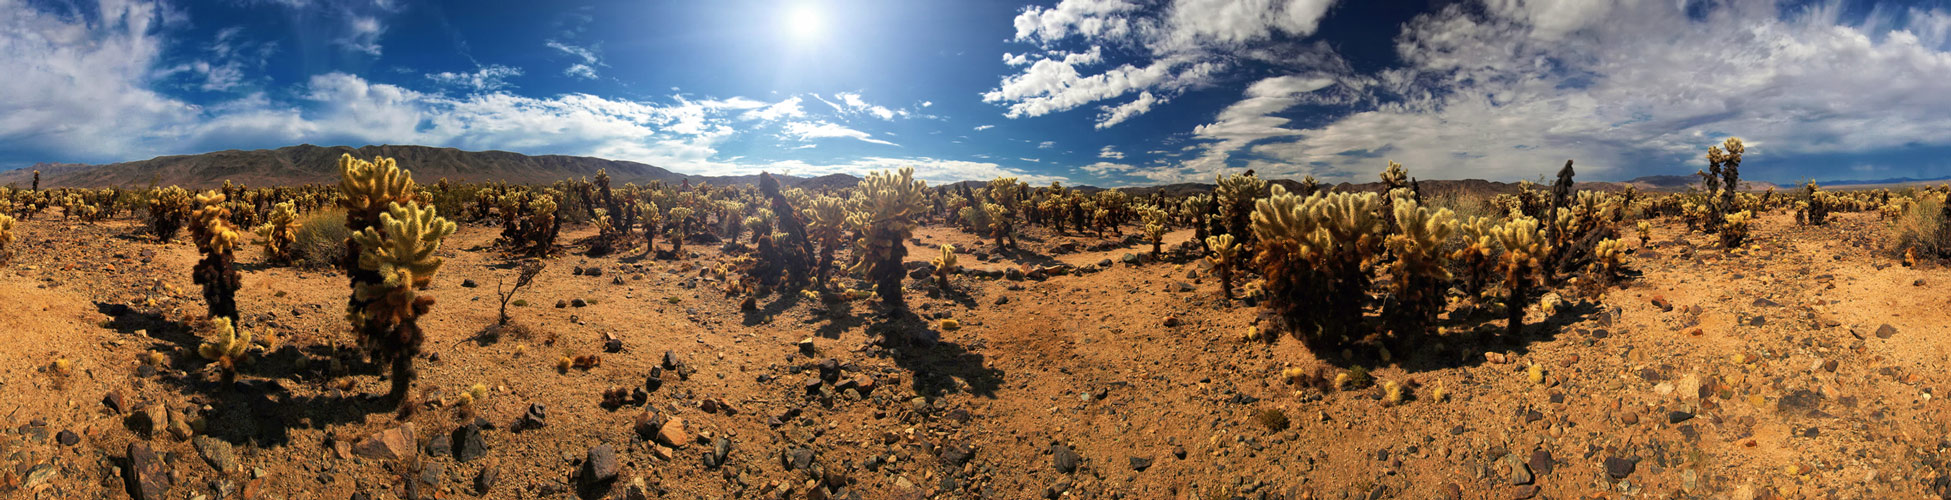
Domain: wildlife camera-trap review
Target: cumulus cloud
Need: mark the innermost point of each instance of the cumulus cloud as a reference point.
(1510, 88)
(788, 108)
(934, 170)
(1183, 44)
(1109, 152)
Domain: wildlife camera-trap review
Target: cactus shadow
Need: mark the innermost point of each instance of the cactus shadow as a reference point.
(1485, 334)
(936, 365)
(840, 317)
(786, 300)
(127, 320)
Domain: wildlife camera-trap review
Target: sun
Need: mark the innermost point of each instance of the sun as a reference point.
(803, 22)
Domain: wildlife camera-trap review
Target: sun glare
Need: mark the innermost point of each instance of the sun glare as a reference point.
(803, 22)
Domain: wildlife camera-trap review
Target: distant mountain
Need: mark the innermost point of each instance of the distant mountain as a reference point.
(308, 164)
(1867, 182)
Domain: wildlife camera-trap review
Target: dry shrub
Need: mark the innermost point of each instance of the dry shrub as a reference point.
(1923, 227)
(321, 239)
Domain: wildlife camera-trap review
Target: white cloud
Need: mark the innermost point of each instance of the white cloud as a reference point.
(1031, 160)
(980, 128)
(788, 108)
(1106, 168)
(1109, 152)
(1046, 144)
(852, 103)
(824, 130)
(1189, 42)
(580, 70)
(586, 69)
(490, 77)
(935, 171)
(362, 34)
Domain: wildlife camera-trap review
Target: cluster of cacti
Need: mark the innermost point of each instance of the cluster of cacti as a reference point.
(390, 256)
(1734, 229)
(1005, 194)
(785, 254)
(169, 209)
(1419, 276)
(1524, 247)
(1608, 259)
(1815, 205)
(6, 238)
(1235, 196)
(885, 205)
(1477, 255)
(827, 227)
(1317, 254)
(217, 240)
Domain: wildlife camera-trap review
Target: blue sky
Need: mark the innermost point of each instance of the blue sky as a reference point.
(1104, 92)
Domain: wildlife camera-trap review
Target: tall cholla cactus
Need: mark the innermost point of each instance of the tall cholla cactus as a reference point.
(945, 266)
(279, 236)
(1478, 256)
(6, 238)
(401, 251)
(1418, 268)
(1235, 195)
(1225, 255)
(1317, 253)
(224, 343)
(1645, 232)
(885, 206)
(389, 254)
(1155, 225)
(649, 218)
(1005, 193)
(826, 218)
(217, 240)
(1524, 246)
(679, 216)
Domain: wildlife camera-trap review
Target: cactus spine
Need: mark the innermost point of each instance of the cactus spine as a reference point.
(1418, 268)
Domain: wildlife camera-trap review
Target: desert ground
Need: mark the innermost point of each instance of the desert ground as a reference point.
(1802, 366)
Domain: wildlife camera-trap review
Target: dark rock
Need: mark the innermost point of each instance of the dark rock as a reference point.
(799, 459)
(468, 443)
(806, 346)
(1524, 492)
(956, 454)
(440, 445)
(1063, 458)
(115, 402)
(468, 284)
(67, 438)
(1141, 463)
(1179, 452)
(670, 360)
(1619, 468)
(1674, 417)
(1452, 492)
(1517, 470)
(145, 477)
(1886, 331)
(599, 468)
(578, 303)
(561, 304)
(216, 452)
(1541, 462)
(486, 479)
(654, 381)
(613, 344)
(536, 417)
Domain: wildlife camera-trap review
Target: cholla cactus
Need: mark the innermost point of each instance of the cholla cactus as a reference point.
(401, 251)
(217, 240)
(1607, 259)
(1005, 193)
(649, 217)
(1645, 232)
(945, 266)
(1477, 256)
(1235, 195)
(169, 209)
(279, 236)
(884, 207)
(1155, 225)
(1524, 247)
(1420, 277)
(1225, 255)
(224, 343)
(1734, 229)
(1317, 254)
(6, 238)
(1815, 206)
(977, 218)
(827, 224)
(678, 222)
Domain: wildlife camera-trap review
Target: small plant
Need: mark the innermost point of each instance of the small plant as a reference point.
(469, 401)
(1156, 221)
(1535, 373)
(223, 344)
(6, 238)
(1645, 232)
(1608, 257)
(1439, 394)
(1392, 393)
(945, 266)
(1271, 418)
(527, 275)
(1225, 253)
(951, 324)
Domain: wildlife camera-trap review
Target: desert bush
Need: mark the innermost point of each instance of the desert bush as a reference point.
(1923, 227)
(320, 239)
(529, 270)
(884, 206)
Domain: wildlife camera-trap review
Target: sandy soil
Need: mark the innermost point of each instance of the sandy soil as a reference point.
(1765, 372)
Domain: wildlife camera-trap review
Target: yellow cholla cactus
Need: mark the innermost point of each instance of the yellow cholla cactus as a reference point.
(1418, 269)
(1317, 253)
(945, 265)
(223, 343)
(1155, 225)
(6, 238)
(1645, 232)
(210, 224)
(280, 235)
(370, 187)
(884, 208)
(1524, 246)
(1607, 257)
(402, 248)
(1225, 255)
(1478, 254)
(1734, 229)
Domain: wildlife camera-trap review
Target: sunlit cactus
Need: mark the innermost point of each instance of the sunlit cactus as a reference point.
(279, 236)
(1225, 256)
(216, 239)
(1156, 221)
(884, 207)
(223, 343)
(649, 217)
(676, 226)
(401, 251)
(1419, 271)
(1317, 254)
(1645, 232)
(1004, 193)
(1607, 259)
(1235, 195)
(1524, 247)
(1734, 229)
(826, 218)
(945, 266)
(6, 238)
(1477, 256)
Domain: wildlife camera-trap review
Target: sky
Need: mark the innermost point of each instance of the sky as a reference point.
(1099, 92)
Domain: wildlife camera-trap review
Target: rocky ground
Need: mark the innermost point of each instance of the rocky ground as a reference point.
(1804, 366)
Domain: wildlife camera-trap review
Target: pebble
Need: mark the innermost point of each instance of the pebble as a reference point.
(1619, 468)
(1063, 458)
